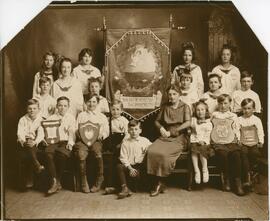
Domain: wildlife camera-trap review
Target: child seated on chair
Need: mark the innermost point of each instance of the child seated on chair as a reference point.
(29, 135)
(94, 89)
(245, 92)
(133, 150)
(200, 140)
(96, 134)
(252, 145)
(187, 95)
(46, 102)
(225, 141)
(57, 153)
(210, 97)
(118, 130)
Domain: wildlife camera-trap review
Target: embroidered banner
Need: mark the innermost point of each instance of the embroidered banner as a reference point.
(137, 68)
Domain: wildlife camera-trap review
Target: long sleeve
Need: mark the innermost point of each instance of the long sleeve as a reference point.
(36, 89)
(104, 127)
(158, 122)
(40, 135)
(20, 131)
(200, 83)
(260, 130)
(237, 84)
(236, 127)
(258, 105)
(71, 132)
(124, 155)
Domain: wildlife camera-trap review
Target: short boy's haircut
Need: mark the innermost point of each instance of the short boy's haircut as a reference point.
(207, 114)
(93, 79)
(43, 80)
(214, 75)
(246, 74)
(31, 102)
(117, 102)
(247, 101)
(223, 97)
(63, 98)
(134, 123)
(91, 96)
(85, 51)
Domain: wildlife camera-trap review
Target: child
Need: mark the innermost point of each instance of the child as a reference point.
(58, 153)
(228, 152)
(210, 97)
(245, 92)
(230, 75)
(188, 95)
(69, 87)
(84, 71)
(250, 153)
(200, 140)
(29, 135)
(93, 116)
(133, 150)
(46, 102)
(188, 57)
(48, 69)
(118, 130)
(94, 89)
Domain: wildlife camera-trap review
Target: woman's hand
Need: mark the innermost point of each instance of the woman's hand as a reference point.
(164, 133)
(133, 172)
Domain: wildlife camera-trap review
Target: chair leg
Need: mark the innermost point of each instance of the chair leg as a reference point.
(190, 180)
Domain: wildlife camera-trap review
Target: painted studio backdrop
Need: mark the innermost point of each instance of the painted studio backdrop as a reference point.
(68, 29)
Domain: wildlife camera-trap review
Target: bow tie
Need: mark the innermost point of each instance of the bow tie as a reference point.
(225, 71)
(184, 94)
(88, 72)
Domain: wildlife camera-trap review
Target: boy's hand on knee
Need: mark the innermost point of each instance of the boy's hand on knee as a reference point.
(133, 172)
(69, 147)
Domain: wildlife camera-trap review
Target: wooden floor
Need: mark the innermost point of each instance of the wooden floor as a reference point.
(175, 203)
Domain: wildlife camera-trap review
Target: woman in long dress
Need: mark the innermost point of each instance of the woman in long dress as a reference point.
(172, 122)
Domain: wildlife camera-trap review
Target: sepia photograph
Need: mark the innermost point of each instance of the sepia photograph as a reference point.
(127, 110)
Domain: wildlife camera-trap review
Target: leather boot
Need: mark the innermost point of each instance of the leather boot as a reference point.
(84, 182)
(100, 177)
(54, 187)
(247, 182)
(160, 188)
(125, 192)
(225, 182)
(59, 186)
(239, 189)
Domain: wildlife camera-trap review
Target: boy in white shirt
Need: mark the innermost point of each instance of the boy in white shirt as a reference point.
(29, 135)
(250, 152)
(46, 102)
(58, 153)
(133, 150)
(245, 92)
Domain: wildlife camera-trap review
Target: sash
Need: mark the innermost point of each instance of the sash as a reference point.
(51, 130)
(88, 132)
(222, 132)
(249, 136)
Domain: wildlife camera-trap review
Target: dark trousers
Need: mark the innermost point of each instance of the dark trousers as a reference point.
(249, 157)
(230, 161)
(123, 174)
(28, 155)
(56, 157)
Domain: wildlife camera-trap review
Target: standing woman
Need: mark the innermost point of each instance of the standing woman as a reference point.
(172, 122)
(68, 86)
(188, 57)
(230, 75)
(48, 69)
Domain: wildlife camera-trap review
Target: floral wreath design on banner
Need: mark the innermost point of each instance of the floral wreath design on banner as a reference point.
(137, 77)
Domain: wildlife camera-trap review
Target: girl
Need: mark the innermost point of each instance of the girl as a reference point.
(84, 71)
(172, 122)
(82, 150)
(210, 97)
(200, 140)
(69, 87)
(94, 89)
(230, 75)
(48, 69)
(188, 57)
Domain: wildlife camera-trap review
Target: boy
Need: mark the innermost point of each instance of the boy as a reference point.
(29, 135)
(210, 97)
(119, 130)
(46, 102)
(250, 152)
(188, 95)
(227, 151)
(133, 150)
(245, 92)
(81, 149)
(58, 153)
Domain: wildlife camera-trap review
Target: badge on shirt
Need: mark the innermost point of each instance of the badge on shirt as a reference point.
(88, 132)
(249, 136)
(222, 132)
(51, 130)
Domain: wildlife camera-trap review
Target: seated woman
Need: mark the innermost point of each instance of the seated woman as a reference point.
(172, 122)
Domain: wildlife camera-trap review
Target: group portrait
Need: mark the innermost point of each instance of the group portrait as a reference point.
(135, 111)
